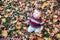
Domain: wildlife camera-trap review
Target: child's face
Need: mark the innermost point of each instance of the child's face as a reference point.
(37, 15)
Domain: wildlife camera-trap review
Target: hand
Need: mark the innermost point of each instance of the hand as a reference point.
(24, 22)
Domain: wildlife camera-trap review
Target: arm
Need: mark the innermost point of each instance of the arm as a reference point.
(26, 22)
(42, 22)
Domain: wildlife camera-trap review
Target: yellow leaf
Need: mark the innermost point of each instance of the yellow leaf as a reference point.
(58, 35)
(19, 32)
(4, 33)
(45, 4)
(49, 38)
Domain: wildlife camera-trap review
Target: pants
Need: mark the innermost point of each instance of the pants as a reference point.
(31, 29)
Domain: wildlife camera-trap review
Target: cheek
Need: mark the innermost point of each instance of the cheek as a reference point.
(35, 14)
(38, 15)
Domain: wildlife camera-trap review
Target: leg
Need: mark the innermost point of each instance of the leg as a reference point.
(31, 29)
(39, 29)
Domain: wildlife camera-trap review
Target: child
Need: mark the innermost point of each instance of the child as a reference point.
(36, 22)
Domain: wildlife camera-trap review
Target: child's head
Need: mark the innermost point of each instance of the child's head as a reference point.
(37, 15)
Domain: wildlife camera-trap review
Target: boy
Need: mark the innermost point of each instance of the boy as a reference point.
(36, 22)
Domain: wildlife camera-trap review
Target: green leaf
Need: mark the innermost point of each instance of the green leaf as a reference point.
(15, 13)
(46, 35)
(7, 10)
(14, 18)
(45, 31)
(8, 19)
(6, 24)
(10, 33)
(46, 26)
(15, 29)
